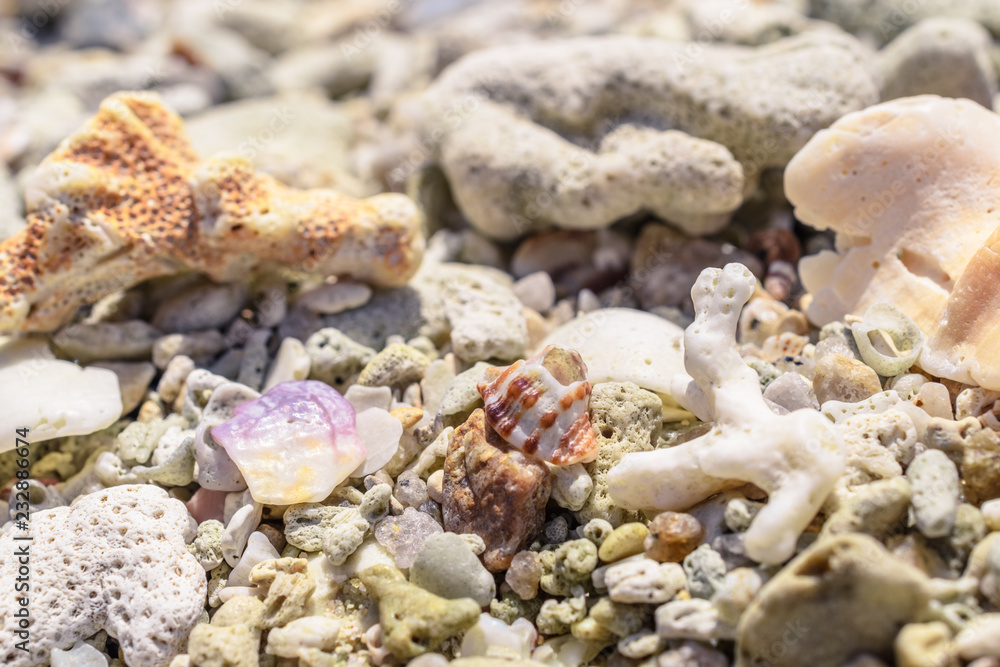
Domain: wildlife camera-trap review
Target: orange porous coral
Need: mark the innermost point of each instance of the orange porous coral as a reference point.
(126, 199)
(540, 406)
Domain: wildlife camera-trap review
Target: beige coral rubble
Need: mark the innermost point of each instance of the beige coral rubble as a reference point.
(126, 199)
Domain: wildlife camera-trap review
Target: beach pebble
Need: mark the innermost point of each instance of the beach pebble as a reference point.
(791, 391)
(199, 307)
(404, 535)
(524, 573)
(482, 471)
(991, 514)
(291, 363)
(875, 509)
(227, 645)
(739, 587)
(314, 417)
(692, 654)
(981, 638)
(80, 655)
(172, 381)
(258, 550)
(344, 537)
(850, 586)
(706, 570)
(485, 316)
(335, 298)
(840, 378)
(462, 395)
(363, 398)
(447, 567)
(492, 638)
(313, 632)
(306, 525)
(925, 645)
(397, 366)
(568, 566)
(981, 465)
(624, 541)
(690, 619)
(335, 358)
(936, 492)
(199, 345)
(415, 621)
(536, 291)
(410, 490)
(672, 536)
(207, 546)
(644, 581)
(129, 340)
(571, 486)
(942, 56)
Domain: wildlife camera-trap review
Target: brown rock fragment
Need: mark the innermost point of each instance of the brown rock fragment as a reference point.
(981, 466)
(493, 490)
(672, 536)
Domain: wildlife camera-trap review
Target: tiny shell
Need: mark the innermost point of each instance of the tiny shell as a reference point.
(541, 405)
(294, 444)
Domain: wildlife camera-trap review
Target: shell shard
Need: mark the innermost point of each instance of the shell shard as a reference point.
(540, 406)
(294, 444)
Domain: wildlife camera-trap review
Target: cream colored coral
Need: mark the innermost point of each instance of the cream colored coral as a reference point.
(797, 458)
(126, 199)
(909, 188)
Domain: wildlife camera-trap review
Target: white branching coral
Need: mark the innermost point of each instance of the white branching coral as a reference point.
(796, 458)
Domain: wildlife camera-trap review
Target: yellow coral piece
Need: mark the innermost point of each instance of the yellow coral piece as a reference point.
(126, 199)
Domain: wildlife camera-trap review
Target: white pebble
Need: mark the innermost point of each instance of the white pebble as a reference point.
(991, 513)
(379, 431)
(536, 291)
(335, 298)
(291, 363)
(259, 549)
(81, 655)
(317, 632)
(644, 581)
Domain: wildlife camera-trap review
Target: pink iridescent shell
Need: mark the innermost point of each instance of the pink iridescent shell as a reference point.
(541, 406)
(294, 444)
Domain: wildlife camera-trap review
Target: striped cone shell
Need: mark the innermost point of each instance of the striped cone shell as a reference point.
(541, 406)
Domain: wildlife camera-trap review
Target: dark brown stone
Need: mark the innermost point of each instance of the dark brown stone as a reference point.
(493, 490)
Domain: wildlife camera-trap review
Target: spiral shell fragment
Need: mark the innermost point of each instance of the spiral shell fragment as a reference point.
(540, 406)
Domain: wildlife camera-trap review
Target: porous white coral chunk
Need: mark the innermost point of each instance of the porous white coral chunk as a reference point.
(115, 561)
(797, 458)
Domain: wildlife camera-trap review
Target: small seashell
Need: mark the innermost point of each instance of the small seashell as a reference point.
(895, 351)
(541, 405)
(294, 444)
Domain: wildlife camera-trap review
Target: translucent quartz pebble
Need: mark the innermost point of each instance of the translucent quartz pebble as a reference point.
(52, 398)
(888, 340)
(294, 444)
(404, 535)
